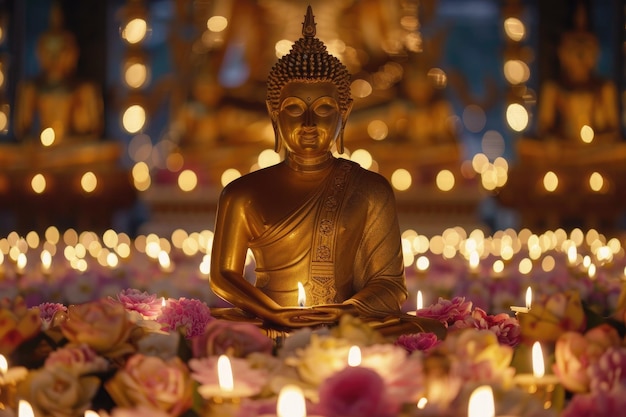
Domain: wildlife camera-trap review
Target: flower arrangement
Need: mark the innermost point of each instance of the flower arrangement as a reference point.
(132, 340)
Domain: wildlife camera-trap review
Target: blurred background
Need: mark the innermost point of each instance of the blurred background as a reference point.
(483, 114)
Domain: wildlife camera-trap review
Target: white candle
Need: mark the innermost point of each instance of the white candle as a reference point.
(538, 384)
(225, 374)
(24, 409)
(481, 403)
(291, 402)
(354, 356)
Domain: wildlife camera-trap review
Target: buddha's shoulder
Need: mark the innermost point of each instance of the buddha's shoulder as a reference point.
(252, 181)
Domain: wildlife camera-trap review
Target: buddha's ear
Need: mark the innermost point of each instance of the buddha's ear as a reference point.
(274, 118)
(344, 120)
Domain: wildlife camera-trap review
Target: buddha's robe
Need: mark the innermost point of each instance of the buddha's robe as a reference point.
(342, 244)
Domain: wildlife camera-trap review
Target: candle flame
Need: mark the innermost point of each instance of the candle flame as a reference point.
(91, 413)
(529, 297)
(225, 374)
(4, 365)
(24, 409)
(354, 356)
(21, 261)
(420, 301)
(301, 295)
(421, 403)
(291, 402)
(474, 260)
(164, 260)
(46, 260)
(539, 369)
(162, 301)
(481, 403)
(572, 255)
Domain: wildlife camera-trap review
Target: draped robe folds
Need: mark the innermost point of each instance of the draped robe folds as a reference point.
(354, 253)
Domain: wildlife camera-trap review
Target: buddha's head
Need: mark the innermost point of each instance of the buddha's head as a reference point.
(308, 96)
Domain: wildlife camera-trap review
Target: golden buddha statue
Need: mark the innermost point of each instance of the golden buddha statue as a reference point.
(56, 98)
(313, 219)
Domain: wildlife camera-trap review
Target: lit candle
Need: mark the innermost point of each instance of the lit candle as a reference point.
(164, 261)
(21, 263)
(301, 295)
(1, 265)
(529, 300)
(538, 383)
(291, 402)
(25, 409)
(354, 356)
(419, 302)
(91, 413)
(481, 403)
(225, 375)
(9, 377)
(46, 262)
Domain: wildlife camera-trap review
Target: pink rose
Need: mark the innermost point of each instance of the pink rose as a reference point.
(356, 392)
(100, 324)
(447, 311)
(609, 371)
(575, 353)
(78, 359)
(235, 339)
(152, 382)
(147, 305)
(423, 342)
(505, 327)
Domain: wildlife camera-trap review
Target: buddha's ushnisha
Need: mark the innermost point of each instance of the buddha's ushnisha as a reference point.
(313, 219)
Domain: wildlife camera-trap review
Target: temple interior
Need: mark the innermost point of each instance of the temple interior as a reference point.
(132, 115)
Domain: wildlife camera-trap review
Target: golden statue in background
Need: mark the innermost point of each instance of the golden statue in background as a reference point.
(312, 220)
(56, 99)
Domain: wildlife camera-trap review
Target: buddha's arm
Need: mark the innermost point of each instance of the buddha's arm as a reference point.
(379, 269)
(228, 258)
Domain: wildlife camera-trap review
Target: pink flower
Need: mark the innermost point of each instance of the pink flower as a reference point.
(505, 327)
(418, 341)
(575, 352)
(188, 316)
(79, 359)
(152, 382)
(51, 313)
(598, 403)
(236, 339)
(100, 324)
(356, 392)
(447, 311)
(144, 303)
(609, 372)
(139, 411)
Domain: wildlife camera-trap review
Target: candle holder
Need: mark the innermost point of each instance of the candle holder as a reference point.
(221, 406)
(546, 389)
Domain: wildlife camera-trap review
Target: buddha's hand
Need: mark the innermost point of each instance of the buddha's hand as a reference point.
(302, 317)
(335, 311)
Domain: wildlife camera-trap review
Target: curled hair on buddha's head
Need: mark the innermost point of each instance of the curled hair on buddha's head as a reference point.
(308, 61)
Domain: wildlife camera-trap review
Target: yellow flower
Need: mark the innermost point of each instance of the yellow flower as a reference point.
(153, 382)
(58, 392)
(552, 316)
(102, 325)
(323, 357)
(18, 323)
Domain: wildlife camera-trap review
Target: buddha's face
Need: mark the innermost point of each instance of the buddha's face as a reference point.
(309, 118)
